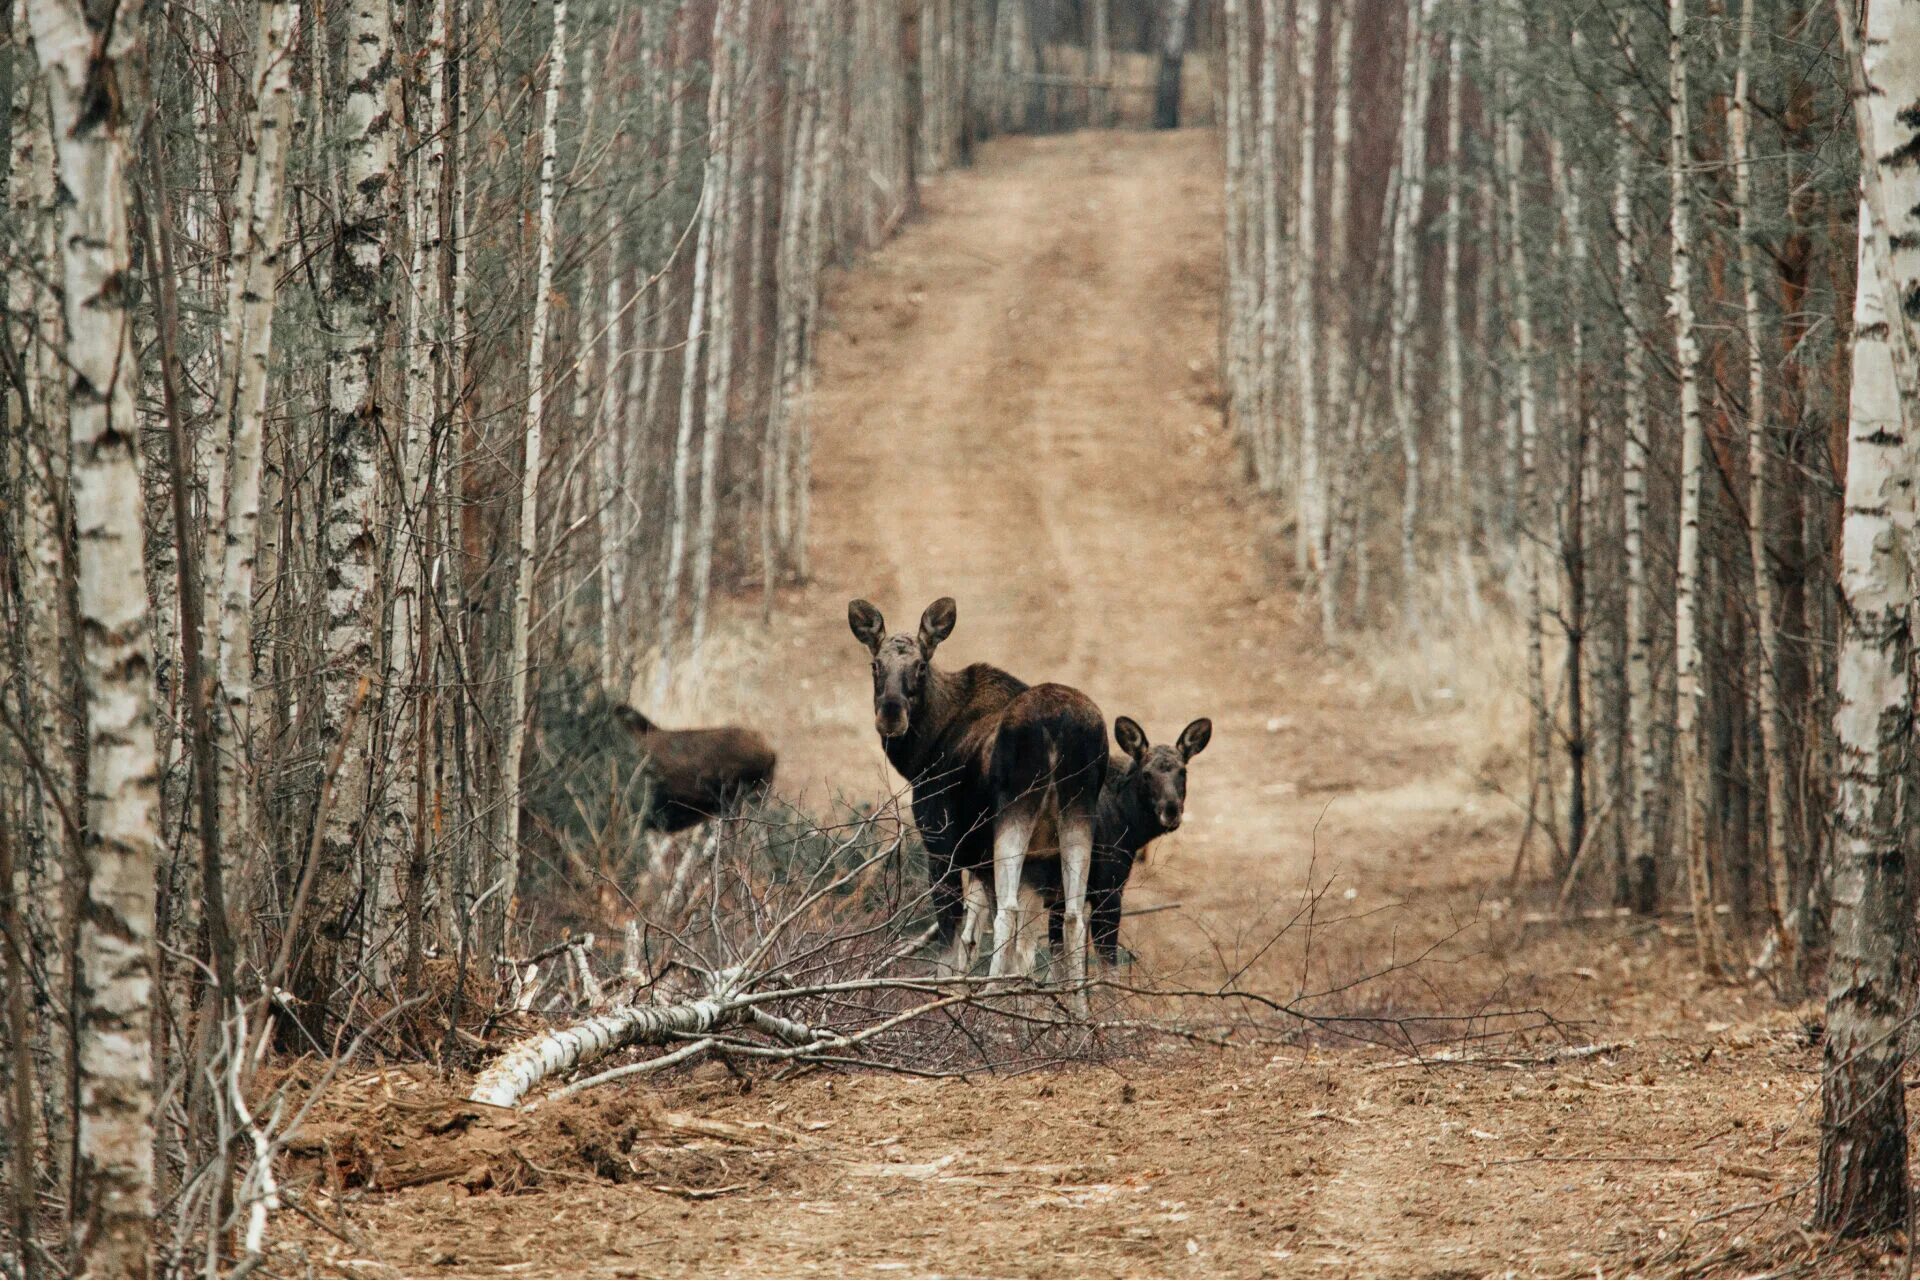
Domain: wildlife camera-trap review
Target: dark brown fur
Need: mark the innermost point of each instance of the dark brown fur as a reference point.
(973, 744)
(698, 773)
(1144, 798)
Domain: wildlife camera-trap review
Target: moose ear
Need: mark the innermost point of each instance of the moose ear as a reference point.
(1194, 737)
(1132, 739)
(867, 623)
(937, 623)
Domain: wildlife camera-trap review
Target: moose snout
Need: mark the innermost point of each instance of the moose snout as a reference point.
(1170, 817)
(890, 718)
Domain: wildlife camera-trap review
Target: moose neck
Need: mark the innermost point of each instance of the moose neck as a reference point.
(1133, 822)
(917, 751)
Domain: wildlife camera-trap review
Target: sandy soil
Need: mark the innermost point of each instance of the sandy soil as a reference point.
(1018, 407)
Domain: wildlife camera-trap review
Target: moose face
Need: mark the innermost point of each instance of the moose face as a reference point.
(901, 663)
(1160, 773)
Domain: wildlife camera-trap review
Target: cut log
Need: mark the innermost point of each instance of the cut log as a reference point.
(535, 1059)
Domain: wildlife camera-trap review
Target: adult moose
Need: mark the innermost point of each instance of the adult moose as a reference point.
(997, 768)
(1144, 798)
(698, 774)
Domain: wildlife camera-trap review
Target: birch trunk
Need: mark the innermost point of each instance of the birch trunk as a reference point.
(711, 196)
(1690, 686)
(1310, 550)
(252, 288)
(46, 684)
(346, 884)
(1863, 1131)
(1404, 294)
(83, 53)
(507, 1080)
(1242, 305)
(519, 656)
(719, 389)
(1759, 507)
(1339, 311)
(1455, 339)
(777, 519)
(1520, 304)
(610, 484)
(1644, 880)
(1268, 462)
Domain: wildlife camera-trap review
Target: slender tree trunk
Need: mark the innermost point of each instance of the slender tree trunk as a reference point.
(84, 52)
(1174, 18)
(1339, 311)
(1310, 545)
(719, 389)
(1520, 302)
(1268, 462)
(712, 197)
(1100, 61)
(1455, 339)
(1759, 504)
(519, 656)
(1642, 761)
(1404, 295)
(1690, 683)
(252, 288)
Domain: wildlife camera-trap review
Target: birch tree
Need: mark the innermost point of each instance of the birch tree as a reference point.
(1863, 1130)
(1689, 680)
(519, 657)
(86, 53)
(348, 891)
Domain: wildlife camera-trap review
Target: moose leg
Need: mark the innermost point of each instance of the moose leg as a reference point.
(973, 923)
(1010, 834)
(1076, 860)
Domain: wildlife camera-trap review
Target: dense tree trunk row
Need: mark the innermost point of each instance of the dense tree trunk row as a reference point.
(381, 369)
(1656, 476)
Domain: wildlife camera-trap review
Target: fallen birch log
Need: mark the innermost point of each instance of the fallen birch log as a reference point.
(535, 1059)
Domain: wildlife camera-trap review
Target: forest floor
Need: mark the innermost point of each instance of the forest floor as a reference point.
(1018, 406)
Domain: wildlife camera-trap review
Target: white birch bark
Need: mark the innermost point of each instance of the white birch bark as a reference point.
(519, 655)
(1310, 544)
(1887, 119)
(506, 1081)
(789, 310)
(1759, 504)
(252, 288)
(1452, 335)
(1339, 313)
(1404, 293)
(360, 305)
(1642, 761)
(1689, 684)
(84, 54)
(1863, 1148)
(1863, 1133)
(813, 247)
(39, 420)
(1520, 305)
(711, 197)
(719, 389)
(610, 460)
(1271, 399)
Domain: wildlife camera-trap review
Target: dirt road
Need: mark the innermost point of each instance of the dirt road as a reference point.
(1017, 407)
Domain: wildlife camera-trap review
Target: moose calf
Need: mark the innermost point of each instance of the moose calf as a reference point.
(1144, 798)
(996, 766)
(698, 773)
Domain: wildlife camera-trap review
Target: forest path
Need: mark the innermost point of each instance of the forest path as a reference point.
(1017, 405)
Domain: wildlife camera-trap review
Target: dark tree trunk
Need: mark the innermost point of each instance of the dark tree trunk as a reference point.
(1173, 54)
